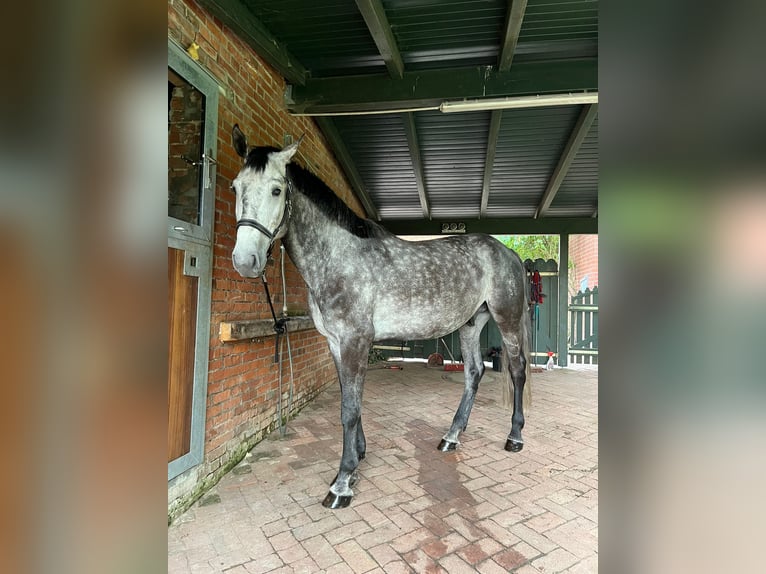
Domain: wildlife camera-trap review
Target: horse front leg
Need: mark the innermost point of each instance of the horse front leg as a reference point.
(352, 367)
(474, 370)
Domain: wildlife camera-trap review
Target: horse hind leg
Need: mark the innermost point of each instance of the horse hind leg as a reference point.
(515, 345)
(474, 369)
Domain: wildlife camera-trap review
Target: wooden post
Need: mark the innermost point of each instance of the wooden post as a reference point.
(563, 298)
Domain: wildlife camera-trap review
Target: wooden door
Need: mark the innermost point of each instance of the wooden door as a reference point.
(182, 321)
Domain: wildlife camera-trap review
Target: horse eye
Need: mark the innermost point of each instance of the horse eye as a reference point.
(276, 191)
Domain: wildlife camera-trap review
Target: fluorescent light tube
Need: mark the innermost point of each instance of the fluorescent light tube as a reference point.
(519, 102)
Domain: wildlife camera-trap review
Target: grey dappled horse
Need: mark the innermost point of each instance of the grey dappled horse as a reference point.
(365, 284)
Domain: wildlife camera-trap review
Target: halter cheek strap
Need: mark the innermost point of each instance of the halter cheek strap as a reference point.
(260, 227)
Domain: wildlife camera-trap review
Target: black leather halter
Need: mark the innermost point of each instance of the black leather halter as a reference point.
(272, 235)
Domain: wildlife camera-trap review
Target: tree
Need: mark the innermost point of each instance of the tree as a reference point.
(533, 246)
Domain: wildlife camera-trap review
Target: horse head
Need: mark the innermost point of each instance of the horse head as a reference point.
(262, 204)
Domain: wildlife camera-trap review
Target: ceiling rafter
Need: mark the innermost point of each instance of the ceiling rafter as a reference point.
(489, 162)
(511, 34)
(377, 22)
(241, 20)
(576, 138)
(513, 20)
(377, 93)
(347, 163)
(417, 164)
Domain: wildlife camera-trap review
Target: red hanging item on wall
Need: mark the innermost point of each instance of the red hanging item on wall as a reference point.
(536, 282)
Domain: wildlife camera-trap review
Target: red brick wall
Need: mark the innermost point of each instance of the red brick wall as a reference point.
(583, 252)
(242, 387)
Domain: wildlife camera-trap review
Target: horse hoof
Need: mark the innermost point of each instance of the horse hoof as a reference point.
(333, 501)
(513, 445)
(446, 446)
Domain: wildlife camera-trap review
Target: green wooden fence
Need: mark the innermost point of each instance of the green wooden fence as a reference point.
(583, 328)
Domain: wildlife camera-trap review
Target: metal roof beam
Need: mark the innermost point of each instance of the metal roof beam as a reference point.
(496, 226)
(375, 17)
(241, 20)
(576, 138)
(429, 88)
(344, 157)
(417, 164)
(511, 34)
(489, 162)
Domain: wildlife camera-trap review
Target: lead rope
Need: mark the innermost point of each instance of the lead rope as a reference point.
(283, 429)
(280, 328)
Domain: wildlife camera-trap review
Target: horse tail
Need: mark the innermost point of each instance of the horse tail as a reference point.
(525, 336)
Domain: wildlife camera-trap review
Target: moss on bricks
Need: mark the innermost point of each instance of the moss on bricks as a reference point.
(183, 503)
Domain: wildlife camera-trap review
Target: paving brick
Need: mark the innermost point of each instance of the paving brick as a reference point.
(305, 566)
(379, 535)
(529, 552)
(292, 554)
(264, 564)
(282, 541)
(321, 551)
(502, 535)
(509, 559)
(557, 560)
(455, 565)
(479, 550)
(416, 509)
(312, 529)
(371, 515)
(383, 554)
(587, 566)
(443, 546)
(347, 532)
(398, 567)
(544, 522)
(539, 541)
(356, 557)
(419, 561)
(341, 568)
(409, 541)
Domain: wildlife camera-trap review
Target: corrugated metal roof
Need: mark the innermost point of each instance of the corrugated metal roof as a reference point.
(450, 32)
(578, 194)
(328, 37)
(528, 148)
(453, 147)
(381, 154)
(331, 39)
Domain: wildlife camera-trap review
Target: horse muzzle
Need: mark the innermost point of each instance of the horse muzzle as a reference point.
(247, 263)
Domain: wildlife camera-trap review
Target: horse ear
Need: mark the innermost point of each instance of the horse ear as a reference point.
(288, 152)
(239, 141)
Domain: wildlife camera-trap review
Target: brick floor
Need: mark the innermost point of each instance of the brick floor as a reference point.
(479, 509)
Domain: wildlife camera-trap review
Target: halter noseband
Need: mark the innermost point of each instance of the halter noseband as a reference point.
(272, 235)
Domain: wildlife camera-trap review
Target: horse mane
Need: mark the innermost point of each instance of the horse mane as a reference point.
(331, 205)
(319, 194)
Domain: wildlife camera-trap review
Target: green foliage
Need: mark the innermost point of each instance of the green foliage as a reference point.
(533, 246)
